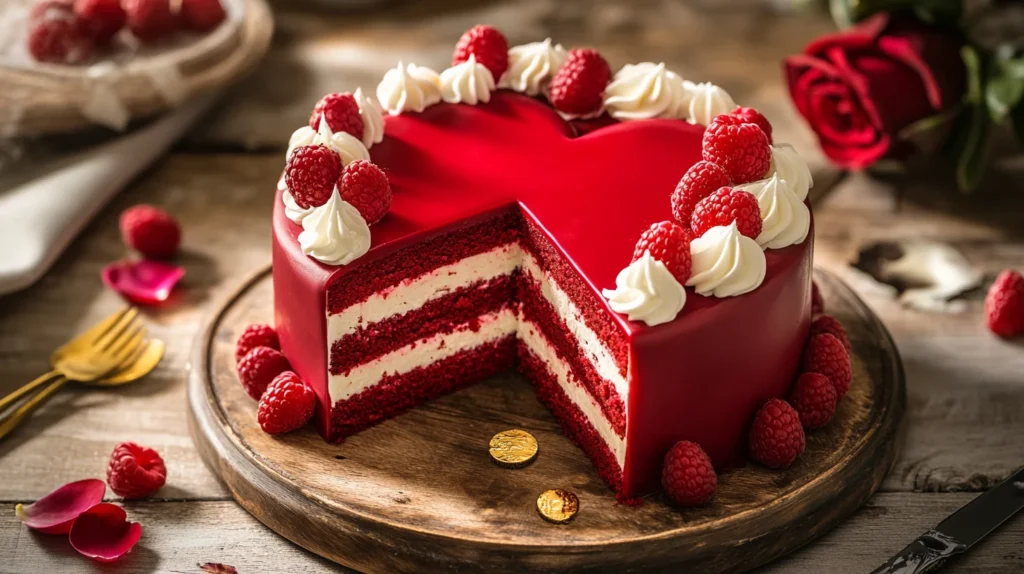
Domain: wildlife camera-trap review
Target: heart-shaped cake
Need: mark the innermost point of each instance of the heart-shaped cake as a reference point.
(509, 242)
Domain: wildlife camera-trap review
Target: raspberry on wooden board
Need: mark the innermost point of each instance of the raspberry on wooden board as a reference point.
(687, 476)
(776, 437)
(287, 405)
(825, 354)
(259, 367)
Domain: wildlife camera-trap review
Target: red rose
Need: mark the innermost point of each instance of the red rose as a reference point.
(860, 87)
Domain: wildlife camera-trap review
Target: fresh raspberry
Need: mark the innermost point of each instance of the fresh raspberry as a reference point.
(311, 173)
(256, 335)
(669, 243)
(740, 148)
(817, 302)
(725, 206)
(1004, 305)
(826, 355)
(342, 112)
(151, 231)
(151, 20)
(488, 45)
(776, 437)
(202, 15)
(366, 187)
(259, 367)
(578, 86)
(701, 180)
(831, 325)
(135, 471)
(752, 116)
(58, 36)
(287, 405)
(814, 398)
(688, 477)
(101, 18)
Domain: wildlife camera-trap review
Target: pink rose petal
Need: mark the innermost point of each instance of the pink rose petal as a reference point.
(57, 511)
(103, 533)
(143, 282)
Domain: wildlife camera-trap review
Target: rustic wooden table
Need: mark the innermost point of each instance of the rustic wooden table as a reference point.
(966, 390)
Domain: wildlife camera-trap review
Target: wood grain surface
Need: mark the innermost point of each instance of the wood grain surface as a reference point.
(420, 493)
(965, 387)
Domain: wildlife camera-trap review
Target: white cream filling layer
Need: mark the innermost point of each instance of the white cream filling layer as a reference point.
(531, 335)
(414, 293)
(427, 351)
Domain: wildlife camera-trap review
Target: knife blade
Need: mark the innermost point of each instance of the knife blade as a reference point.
(961, 530)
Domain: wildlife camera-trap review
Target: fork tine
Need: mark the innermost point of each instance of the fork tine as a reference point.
(128, 345)
(132, 357)
(90, 336)
(129, 319)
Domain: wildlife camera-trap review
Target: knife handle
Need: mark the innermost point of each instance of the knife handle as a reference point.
(929, 552)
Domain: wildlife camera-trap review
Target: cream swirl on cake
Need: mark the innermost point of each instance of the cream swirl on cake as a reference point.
(531, 66)
(409, 88)
(646, 291)
(348, 147)
(791, 168)
(335, 233)
(292, 210)
(726, 262)
(467, 83)
(645, 91)
(786, 219)
(373, 120)
(708, 101)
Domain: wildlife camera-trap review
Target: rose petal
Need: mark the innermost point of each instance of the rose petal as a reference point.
(57, 511)
(143, 282)
(103, 533)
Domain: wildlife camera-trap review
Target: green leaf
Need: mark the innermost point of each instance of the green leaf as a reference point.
(974, 148)
(1005, 85)
(973, 64)
(1002, 94)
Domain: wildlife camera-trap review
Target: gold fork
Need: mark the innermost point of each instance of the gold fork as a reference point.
(116, 350)
(66, 354)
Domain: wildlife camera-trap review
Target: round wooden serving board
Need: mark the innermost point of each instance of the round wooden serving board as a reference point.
(40, 98)
(420, 493)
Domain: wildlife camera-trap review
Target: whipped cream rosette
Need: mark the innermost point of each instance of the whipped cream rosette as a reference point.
(786, 220)
(726, 263)
(647, 291)
(467, 83)
(645, 91)
(335, 233)
(531, 66)
(409, 88)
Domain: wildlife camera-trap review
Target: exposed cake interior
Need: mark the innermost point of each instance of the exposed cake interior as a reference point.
(467, 304)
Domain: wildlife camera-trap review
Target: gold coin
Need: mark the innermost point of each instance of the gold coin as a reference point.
(558, 506)
(513, 448)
